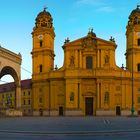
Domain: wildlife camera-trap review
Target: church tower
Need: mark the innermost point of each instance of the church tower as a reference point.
(133, 41)
(42, 60)
(43, 44)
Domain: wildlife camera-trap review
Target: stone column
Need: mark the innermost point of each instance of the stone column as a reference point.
(98, 96)
(98, 59)
(81, 61)
(18, 97)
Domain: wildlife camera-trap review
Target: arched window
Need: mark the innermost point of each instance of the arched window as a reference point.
(40, 68)
(138, 67)
(138, 41)
(41, 43)
(106, 98)
(40, 100)
(89, 62)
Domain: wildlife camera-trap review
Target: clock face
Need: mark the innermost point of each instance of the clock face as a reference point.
(40, 37)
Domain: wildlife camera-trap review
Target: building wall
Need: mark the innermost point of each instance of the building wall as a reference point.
(8, 97)
(41, 97)
(26, 101)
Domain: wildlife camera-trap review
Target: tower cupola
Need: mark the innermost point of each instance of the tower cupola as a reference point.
(136, 11)
(134, 18)
(44, 19)
(133, 40)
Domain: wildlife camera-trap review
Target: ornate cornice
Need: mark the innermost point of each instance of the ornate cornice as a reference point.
(10, 55)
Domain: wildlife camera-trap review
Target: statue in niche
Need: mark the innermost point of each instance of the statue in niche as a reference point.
(72, 96)
(72, 61)
(106, 59)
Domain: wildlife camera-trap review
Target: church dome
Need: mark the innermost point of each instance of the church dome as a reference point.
(134, 18)
(44, 19)
(136, 11)
(43, 13)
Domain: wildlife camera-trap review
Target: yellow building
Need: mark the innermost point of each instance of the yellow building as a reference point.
(89, 82)
(8, 94)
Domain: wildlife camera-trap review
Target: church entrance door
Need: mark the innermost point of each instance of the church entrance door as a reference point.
(89, 106)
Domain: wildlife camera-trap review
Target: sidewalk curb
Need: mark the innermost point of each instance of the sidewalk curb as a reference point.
(71, 132)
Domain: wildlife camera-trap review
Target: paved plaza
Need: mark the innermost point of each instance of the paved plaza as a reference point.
(70, 128)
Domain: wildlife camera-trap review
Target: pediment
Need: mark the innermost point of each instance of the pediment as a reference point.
(90, 42)
(105, 42)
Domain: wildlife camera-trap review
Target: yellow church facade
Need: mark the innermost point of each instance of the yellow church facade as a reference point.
(89, 82)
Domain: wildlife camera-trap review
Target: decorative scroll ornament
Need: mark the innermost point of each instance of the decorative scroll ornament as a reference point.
(89, 42)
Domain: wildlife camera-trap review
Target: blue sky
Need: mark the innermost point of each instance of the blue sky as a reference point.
(71, 18)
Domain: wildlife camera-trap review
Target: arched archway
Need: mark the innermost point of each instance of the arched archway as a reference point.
(9, 70)
(10, 64)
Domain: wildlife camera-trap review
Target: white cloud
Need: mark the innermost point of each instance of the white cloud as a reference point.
(105, 9)
(99, 5)
(90, 2)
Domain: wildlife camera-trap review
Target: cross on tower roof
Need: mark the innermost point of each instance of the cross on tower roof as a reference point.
(138, 6)
(45, 8)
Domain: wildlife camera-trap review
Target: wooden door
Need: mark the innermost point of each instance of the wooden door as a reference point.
(89, 106)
